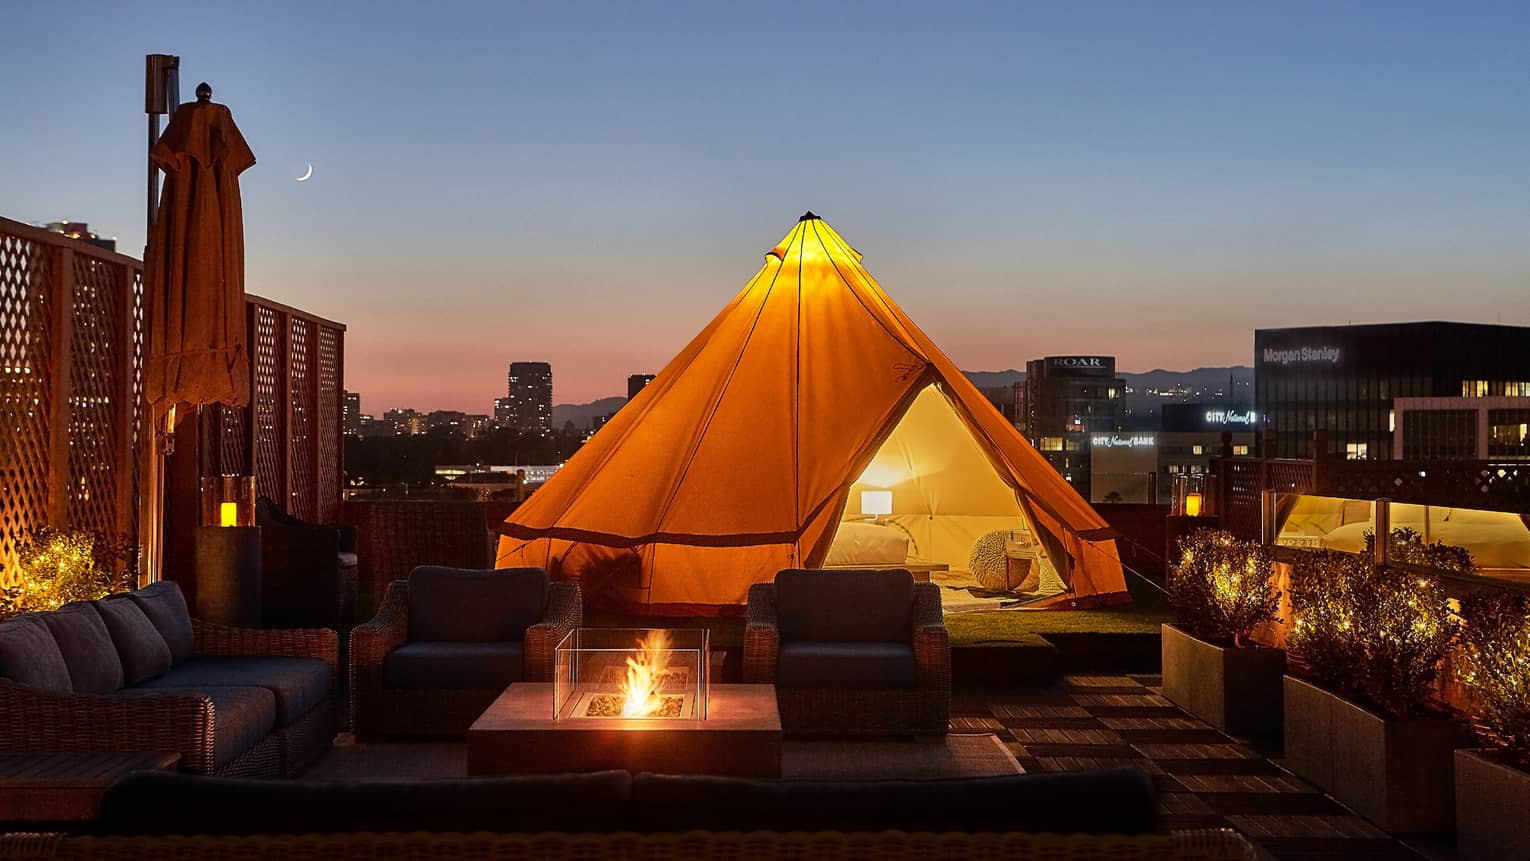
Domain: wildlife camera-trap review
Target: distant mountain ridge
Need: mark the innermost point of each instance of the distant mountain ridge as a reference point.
(1235, 381)
(583, 414)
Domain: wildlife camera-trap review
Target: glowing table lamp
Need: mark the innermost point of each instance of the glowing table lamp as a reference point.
(876, 503)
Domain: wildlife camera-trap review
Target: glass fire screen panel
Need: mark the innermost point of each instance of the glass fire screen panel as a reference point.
(633, 673)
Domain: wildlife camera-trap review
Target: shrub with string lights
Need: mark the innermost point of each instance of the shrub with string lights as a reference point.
(1495, 666)
(1408, 547)
(1376, 633)
(56, 566)
(1221, 587)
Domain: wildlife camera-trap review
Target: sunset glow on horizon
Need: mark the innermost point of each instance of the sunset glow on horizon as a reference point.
(588, 185)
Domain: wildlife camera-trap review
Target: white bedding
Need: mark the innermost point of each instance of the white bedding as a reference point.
(860, 543)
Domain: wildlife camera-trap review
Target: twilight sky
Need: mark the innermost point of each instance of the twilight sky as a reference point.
(587, 184)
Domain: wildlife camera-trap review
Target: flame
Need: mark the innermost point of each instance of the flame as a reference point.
(645, 672)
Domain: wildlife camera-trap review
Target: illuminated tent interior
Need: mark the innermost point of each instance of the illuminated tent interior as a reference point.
(928, 496)
(750, 451)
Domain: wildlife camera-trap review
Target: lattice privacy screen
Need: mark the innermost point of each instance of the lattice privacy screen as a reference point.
(71, 395)
(71, 347)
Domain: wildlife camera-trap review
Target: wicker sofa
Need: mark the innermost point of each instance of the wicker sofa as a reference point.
(447, 641)
(1084, 815)
(851, 651)
(135, 672)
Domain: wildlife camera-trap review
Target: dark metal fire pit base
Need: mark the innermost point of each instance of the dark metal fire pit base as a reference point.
(517, 735)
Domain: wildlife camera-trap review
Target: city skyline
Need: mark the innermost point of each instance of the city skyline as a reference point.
(1032, 181)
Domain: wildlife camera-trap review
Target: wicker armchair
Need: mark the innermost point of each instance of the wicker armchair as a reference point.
(175, 720)
(308, 570)
(924, 708)
(379, 708)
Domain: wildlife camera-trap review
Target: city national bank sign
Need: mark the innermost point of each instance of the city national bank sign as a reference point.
(1300, 356)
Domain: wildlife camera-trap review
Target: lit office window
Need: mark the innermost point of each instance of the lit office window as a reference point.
(1240, 450)
(1051, 443)
(1355, 450)
(1196, 449)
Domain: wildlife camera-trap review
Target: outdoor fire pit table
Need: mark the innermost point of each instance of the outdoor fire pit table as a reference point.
(631, 699)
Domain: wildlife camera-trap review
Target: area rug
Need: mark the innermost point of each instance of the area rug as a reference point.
(974, 755)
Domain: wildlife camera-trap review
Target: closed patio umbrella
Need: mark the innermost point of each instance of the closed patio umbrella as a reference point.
(194, 271)
(195, 262)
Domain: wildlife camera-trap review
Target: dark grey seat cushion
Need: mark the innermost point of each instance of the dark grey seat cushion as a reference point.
(298, 684)
(1118, 801)
(169, 803)
(30, 656)
(165, 606)
(845, 606)
(87, 647)
(460, 605)
(454, 666)
(242, 717)
(143, 652)
(846, 666)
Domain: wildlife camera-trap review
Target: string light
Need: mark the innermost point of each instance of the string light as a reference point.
(1372, 632)
(1495, 666)
(54, 567)
(1221, 589)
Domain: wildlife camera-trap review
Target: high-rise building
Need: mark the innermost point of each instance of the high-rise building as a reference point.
(81, 231)
(528, 398)
(1067, 399)
(636, 383)
(352, 414)
(1347, 381)
(447, 420)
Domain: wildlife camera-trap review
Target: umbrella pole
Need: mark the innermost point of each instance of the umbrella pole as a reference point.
(161, 96)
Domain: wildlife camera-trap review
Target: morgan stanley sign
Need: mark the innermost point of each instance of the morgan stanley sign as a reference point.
(1300, 356)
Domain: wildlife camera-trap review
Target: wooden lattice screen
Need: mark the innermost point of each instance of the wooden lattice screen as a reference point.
(294, 423)
(71, 359)
(71, 395)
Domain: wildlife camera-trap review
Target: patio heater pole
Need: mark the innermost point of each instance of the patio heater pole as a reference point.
(162, 94)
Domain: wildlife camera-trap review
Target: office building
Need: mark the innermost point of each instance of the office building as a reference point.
(352, 414)
(1466, 428)
(405, 422)
(636, 383)
(1067, 399)
(81, 231)
(1346, 380)
(528, 399)
(1190, 435)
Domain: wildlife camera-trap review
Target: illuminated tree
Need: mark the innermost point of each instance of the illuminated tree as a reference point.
(1495, 666)
(1221, 587)
(54, 567)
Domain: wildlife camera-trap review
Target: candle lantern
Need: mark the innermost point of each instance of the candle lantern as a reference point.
(1189, 495)
(228, 500)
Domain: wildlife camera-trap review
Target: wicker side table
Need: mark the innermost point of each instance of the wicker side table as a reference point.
(66, 787)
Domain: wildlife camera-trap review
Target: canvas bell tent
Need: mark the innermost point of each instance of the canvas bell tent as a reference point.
(810, 423)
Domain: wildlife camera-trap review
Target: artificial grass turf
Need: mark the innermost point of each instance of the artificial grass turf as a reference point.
(1149, 609)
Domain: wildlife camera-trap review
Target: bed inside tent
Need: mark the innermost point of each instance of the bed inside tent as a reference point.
(932, 499)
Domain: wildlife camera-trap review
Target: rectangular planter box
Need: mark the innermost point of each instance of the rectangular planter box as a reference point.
(1238, 691)
(1492, 808)
(1398, 774)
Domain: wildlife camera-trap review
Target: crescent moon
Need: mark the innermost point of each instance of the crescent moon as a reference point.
(307, 173)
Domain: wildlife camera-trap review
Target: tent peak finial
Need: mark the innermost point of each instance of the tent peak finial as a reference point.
(808, 216)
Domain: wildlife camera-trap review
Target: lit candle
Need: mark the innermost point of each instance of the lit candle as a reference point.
(1192, 505)
(228, 514)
